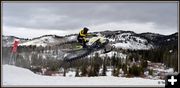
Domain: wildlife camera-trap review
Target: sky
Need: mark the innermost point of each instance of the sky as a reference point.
(34, 19)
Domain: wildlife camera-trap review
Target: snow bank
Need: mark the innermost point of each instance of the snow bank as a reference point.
(16, 76)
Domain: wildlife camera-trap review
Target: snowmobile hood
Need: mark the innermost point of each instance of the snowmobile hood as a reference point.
(101, 39)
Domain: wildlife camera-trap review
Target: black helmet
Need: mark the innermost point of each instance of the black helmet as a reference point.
(85, 30)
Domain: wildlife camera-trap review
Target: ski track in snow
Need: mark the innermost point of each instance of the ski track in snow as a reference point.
(17, 76)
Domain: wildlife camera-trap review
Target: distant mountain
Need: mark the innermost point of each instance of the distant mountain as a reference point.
(8, 40)
(127, 40)
(121, 39)
(159, 40)
(132, 40)
(43, 40)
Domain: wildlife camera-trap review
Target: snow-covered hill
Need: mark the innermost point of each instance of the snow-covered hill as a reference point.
(17, 76)
(130, 41)
(43, 41)
(121, 39)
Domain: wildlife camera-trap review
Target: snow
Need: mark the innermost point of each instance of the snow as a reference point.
(16, 39)
(169, 70)
(132, 45)
(133, 42)
(17, 76)
(71, 38)
(168, 39)
(43, 41)
(170, 51)
(111, 54)
(130, 41)
(70, 74)
(109, 72)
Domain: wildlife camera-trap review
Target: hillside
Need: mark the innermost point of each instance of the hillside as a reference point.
(121, 39)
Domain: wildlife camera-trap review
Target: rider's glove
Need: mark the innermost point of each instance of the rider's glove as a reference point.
(86, 40)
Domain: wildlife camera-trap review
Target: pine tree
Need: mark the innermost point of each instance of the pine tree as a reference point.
(104, 67)
(83, 70)
(64, 73)
(77, 72)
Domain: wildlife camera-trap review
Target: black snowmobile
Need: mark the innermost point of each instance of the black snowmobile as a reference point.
(73, 51)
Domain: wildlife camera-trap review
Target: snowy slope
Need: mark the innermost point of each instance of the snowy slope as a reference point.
(16, 76)
(130, 41)
(43, 41)
(133, 46)
(48, 40)
(72, 38)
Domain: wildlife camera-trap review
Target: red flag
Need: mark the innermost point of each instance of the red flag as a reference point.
(14, 48)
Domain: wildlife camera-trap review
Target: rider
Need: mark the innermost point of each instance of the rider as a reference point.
(82, 37)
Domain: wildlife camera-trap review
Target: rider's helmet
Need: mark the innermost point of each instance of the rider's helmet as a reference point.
(85, 30)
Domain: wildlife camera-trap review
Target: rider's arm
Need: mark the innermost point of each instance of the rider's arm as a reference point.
(90, 34)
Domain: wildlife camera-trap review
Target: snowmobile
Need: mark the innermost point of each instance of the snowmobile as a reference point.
(96, 43)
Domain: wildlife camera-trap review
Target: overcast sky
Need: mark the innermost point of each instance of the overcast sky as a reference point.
(29, 20)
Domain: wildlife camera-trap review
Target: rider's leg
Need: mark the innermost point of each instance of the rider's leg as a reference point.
(80, 40)
(84, 43)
